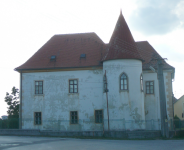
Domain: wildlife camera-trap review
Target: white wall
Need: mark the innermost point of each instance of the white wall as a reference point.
(152, 102)
(126, 108)
(126, 105)
(56, 102)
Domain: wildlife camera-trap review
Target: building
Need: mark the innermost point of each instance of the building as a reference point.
(4, 117)
(78, 82)
(179, 108)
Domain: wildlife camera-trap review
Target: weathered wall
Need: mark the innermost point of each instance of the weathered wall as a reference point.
(124, 105)
(169, 94)
(56, 102)
(179, 108)
(151, 102)
(126, 108)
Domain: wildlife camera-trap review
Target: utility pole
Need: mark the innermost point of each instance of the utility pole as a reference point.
(163, 110)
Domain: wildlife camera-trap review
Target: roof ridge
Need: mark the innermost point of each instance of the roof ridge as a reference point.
(75, 33)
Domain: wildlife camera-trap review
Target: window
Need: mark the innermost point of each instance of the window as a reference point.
(98, 116)
(38, 87)
(37, 118)
(53, 58)
(123, 82)
(141, 81)
(73, 117)
(149, 87)
(73, 86)
(83, 56)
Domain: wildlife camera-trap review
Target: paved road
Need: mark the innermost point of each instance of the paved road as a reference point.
(50, 143)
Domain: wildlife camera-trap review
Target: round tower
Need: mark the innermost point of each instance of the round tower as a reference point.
(122, 66)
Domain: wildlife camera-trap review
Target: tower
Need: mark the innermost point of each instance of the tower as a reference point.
(122, 66)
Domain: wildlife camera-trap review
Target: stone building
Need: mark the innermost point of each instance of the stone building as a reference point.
(78, 82)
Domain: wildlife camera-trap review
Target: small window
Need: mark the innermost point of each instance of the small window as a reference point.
(98, 116)
(141, 82)
(37, 118)
(149, 87)
(83, 56)
(123, 82)
(53, 58)
(73, 117)
(73, 86)
(38, 87)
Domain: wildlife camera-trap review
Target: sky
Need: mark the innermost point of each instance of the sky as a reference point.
(27, 25)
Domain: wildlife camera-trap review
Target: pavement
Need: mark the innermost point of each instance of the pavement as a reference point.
(52, 143)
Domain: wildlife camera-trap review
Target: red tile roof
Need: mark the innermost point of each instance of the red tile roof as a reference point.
(68, 47)
(148, 53)
(122, 44)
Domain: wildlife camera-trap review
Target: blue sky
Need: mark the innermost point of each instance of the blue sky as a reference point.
(27, 25)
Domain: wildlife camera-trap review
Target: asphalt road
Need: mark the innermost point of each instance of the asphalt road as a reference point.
(51, 143)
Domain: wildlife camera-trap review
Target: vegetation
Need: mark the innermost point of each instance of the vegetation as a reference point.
(176, 122)
(12, 101)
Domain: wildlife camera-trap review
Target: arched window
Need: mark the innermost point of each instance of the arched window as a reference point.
(123, 82)
(141, 82)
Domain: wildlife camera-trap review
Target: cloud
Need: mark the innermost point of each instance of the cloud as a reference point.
(155, 17)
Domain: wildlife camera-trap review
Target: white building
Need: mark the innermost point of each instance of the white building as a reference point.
(67, 83)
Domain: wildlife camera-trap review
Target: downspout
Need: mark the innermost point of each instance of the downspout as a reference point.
(106, 90)
(20, 106)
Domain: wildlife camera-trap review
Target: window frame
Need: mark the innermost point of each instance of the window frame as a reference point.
(123, 82)
(38, 87)
(74, 119)
(149, 87)
(101, 115)
(73, 86)
(35, 118)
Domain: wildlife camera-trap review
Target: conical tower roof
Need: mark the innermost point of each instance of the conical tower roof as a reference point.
(122, 44)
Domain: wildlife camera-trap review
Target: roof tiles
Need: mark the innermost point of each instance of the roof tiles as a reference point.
(68, 47)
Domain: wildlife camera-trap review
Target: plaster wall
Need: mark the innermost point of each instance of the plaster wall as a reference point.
(179, 108)
(152, 102)
(56, 101)
(169, 95)
(126, 108)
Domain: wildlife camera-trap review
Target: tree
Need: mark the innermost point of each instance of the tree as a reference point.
(12, 101)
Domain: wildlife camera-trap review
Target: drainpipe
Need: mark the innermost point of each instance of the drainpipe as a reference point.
(20, 105)
(106, 90)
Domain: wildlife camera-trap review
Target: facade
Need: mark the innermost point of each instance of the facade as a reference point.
(179, 108)
(76, 82)
(4, 117)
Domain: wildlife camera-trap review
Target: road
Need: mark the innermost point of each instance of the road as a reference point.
(52, 143)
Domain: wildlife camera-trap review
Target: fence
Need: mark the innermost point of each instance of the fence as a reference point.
(90, 125)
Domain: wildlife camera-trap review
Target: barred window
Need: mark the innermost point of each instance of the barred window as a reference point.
(149, 87)
(73, 86)
(37, 118)
(123, 82)
(38, 87)
(73, 117)
(98, 116)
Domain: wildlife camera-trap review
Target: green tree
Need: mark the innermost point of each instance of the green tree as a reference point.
(12, 101)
